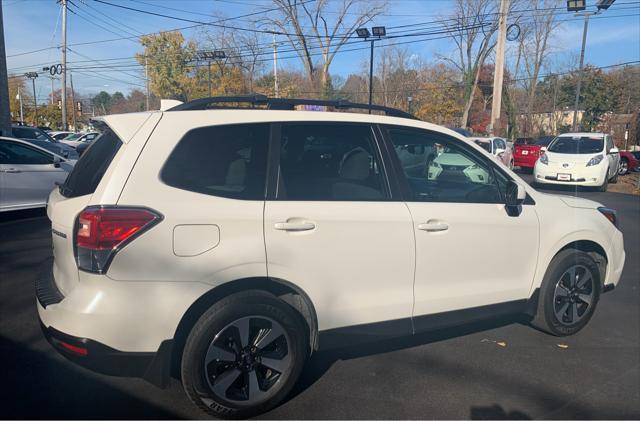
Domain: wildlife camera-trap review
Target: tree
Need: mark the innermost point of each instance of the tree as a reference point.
(473, 26)
(102, 102)
(17, 84)
(168, 57)
(307, 27)
(595, 98)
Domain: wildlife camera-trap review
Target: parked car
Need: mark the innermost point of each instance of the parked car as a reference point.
(581, 159)
(60, 135)
(28, 173)
(46, 129)
(628, 162)
(528, 151)
(497, 147)
(77, 139)
(460, 130)
(42, 139)
(224, 246)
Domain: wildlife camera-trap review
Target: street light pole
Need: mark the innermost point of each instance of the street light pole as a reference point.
(33, 76)
(65, 126)
(209, 71)
(21, 111)
(371, 77)
(580, 72)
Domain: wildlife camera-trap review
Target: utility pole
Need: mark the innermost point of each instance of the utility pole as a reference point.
(65, 126)
(574, 125)
(371, 77)
(33, 76)
(5, 112)
(498, 71)
(73, 103)
(275, 67)
(146, 78)
(21, 110)
(554, 120)
(209, 75)
(52, 88)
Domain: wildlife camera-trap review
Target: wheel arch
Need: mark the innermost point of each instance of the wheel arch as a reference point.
(593, 249)
(284, 290)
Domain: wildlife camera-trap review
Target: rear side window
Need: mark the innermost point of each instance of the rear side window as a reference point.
(228, 161)
(330, 162)
(88, 171)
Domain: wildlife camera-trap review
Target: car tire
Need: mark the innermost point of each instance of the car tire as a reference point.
(623, 168)
(228, 382)
(566, 305)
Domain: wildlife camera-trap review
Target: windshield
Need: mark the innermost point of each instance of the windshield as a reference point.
(484, 145)
(73, 136)
(577, 145)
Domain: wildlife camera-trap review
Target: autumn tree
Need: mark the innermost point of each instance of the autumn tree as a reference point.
(169, 59)
(473, 25)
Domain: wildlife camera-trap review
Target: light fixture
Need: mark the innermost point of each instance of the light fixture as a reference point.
(379, 31)
(363, 33)
(604, 4)
(576, 5)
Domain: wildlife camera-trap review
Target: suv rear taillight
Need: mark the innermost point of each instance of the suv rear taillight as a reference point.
(102, 231)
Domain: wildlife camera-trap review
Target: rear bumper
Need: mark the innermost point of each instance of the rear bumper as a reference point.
(54, 315)
(154, 367)
(525, 162)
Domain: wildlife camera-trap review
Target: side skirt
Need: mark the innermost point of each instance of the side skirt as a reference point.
(374, 332)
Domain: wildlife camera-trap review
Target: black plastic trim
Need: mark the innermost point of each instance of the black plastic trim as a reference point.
(371, 332)
(608, 288)
(151, 366)
(47, 291)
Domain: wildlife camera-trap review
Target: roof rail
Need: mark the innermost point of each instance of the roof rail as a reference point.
(282, 104)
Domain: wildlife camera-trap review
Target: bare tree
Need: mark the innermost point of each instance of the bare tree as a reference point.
(307, 27)
(534, 45)
(473, 24)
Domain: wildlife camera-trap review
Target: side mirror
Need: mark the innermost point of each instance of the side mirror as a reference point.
(56, 161)
(543, 149)
(499, 151)
(614, 151)
(516, 194)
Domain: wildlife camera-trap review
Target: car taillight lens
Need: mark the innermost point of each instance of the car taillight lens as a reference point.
(610, 214)
(102, 232)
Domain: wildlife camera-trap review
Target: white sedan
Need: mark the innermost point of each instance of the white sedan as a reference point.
(579, 159)
(498, 147)
(77, 139)
(28, 173)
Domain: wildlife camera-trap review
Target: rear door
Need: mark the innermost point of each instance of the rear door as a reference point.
(28, 175)
(333, 227)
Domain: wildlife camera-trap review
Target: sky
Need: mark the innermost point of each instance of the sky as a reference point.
(29, 25)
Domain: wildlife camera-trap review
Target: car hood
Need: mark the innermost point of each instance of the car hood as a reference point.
(571, 158)
(578, 202)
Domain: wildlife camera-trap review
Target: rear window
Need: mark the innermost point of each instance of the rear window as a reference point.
(90, 168)
(228, 161)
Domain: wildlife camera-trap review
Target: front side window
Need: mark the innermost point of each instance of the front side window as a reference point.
(16, 154)
(500, 144)
(438, 169)
(227, 161)
(329, 162)
(577, 145)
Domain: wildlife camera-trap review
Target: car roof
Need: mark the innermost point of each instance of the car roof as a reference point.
(582, 134)
(32, 145)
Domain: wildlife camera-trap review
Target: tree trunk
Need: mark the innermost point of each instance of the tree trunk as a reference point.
(469, 101)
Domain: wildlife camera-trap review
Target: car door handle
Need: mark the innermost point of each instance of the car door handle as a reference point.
(11, 170)
(433, 226)
(294, 226)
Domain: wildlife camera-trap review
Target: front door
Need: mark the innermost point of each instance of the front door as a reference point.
(334, 230)
(469, 251)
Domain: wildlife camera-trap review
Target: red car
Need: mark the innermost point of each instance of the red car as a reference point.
(628, 162)
(527, 150)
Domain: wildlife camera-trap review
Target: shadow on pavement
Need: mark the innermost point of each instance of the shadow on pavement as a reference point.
(39, 386)
(496, 412)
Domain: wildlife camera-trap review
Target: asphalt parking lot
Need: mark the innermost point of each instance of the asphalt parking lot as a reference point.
(499, 370)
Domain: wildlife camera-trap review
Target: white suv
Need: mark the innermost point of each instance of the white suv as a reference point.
(579, 159)
(223, 246)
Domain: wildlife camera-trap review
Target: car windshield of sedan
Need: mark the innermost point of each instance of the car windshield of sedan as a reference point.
(484, 145)
(74, 136)
(31, 133)
(577, 145)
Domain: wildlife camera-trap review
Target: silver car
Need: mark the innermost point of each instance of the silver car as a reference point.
(28, 173)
